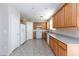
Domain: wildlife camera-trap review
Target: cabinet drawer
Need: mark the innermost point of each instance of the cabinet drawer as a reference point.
(62, 45)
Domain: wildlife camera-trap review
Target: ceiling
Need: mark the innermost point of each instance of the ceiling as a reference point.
(37, 11)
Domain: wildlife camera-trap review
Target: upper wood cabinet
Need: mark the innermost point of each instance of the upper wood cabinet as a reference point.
(74, 14)
(70, 15)
(55, 22)
(67, 16)
(40, 25)
(59, 19)
(78, 14)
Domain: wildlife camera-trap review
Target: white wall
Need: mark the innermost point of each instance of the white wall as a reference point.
(51, 24)
(3, 29)
(29, 30)
(23, 33)
(9, 28)
(14, 28)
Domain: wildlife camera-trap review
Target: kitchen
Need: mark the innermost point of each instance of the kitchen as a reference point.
(63, 37)
(54, 27)
(60, 31)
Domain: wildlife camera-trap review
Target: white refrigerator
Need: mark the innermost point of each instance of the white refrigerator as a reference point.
(29, 30)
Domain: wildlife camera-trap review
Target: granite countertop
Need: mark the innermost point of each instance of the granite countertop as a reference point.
(64, 39)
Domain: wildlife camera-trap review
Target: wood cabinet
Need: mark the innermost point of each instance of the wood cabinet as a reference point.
(70, 15)
(55, 22)
(62, 51)
(74, 15)
(40, 25)
(78, 14)
(59, 19)
(44, 35)
(67, 16)
(54, 47)
(34, 35)
(59, 48)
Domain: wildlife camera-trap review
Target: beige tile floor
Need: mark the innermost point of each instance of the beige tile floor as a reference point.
(33, 48)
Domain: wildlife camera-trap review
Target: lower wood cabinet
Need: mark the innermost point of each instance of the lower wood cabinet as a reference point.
(58, 47)
(44, 35)
(62, 51)
(34, 35)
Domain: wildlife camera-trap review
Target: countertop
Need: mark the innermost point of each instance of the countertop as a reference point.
(64, 39)
(73, 33)
(42, 30)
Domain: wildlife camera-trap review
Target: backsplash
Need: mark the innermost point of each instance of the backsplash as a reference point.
(66, 29)
(72, 32)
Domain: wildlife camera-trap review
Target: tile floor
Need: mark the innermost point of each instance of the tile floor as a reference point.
(33, 48)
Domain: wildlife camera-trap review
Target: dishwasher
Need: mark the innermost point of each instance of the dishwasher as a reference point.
(38, 34)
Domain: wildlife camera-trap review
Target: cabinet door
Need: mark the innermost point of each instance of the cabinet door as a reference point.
(55, 22)
(78, 14)
(61, 18)
(68, 15)
(34, 35)
(44, 36)
(58, 20)
(62, 51)
(54, 46)
(58, 48)
(74, 14)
